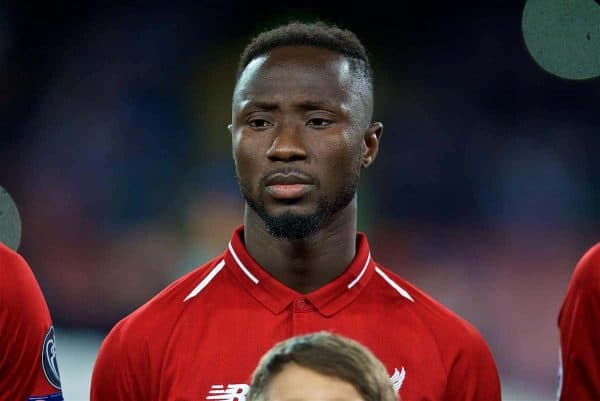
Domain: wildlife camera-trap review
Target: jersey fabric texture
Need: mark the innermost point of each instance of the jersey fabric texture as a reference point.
(579, 325)
(28, 368)
(201, 338)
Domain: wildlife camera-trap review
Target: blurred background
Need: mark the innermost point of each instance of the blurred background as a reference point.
(114, 147)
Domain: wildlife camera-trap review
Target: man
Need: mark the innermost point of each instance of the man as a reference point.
(329, 367)
(579, 325)
(28, 366)
(301, 133)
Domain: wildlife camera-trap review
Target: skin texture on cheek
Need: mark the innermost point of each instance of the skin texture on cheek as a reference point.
(347, 160)
(245, 161)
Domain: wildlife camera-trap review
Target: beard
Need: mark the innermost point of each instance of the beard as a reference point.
(296, 226)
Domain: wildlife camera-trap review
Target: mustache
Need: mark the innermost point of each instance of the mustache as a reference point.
(287, 171)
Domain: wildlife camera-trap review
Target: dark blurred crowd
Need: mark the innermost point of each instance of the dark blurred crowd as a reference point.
(115, 149)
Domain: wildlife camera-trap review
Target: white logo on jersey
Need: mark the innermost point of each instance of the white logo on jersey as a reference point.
(233, 392)
(398, 378)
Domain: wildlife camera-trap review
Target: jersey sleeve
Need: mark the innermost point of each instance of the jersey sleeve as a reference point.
(579, 323)
(472, 375)
(28, 363)
(121, 371)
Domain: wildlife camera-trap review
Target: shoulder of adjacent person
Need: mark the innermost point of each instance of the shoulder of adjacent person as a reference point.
(587, 271)
(20, 293)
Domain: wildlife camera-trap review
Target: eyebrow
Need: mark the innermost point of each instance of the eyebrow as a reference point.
(303, 105)
(316, 105)
(264, 105)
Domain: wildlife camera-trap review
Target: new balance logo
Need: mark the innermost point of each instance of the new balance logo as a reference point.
(233, 392)
(238, 392)
(398, 378)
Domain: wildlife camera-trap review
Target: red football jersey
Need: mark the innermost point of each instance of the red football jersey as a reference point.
(201, 338)
(28, 366)
(579, 324)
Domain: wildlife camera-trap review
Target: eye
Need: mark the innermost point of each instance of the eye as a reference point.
(259, 123)
(319, 122)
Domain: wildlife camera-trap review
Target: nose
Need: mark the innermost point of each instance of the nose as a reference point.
(287, 145)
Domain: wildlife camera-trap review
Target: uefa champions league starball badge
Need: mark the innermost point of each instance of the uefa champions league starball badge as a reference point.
(49, 362)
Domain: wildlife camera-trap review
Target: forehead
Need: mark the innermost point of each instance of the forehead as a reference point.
(314, 386)
(297, 72)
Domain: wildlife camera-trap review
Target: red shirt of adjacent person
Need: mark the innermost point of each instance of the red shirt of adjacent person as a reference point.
(579, 324)
(201, 338)
(28, 366)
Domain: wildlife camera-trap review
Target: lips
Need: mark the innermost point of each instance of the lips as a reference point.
(288, 179)
(288, 186)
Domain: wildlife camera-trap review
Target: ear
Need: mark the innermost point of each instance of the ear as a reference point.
(229, 128)
(371, 141)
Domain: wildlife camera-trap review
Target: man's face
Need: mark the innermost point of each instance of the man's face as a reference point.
(297, 383)
(298, 122)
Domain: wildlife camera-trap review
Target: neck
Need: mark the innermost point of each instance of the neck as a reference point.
(306, 264)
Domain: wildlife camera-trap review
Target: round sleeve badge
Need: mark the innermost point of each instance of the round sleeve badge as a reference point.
(49, 362)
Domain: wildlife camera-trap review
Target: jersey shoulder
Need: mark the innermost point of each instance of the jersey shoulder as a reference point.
(469, 364)
(434, 315)
(20, 292)
(162, 311)
(15, 274)
(128, 358)
(587, 271)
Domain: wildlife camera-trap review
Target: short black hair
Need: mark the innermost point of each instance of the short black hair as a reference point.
(317, 34)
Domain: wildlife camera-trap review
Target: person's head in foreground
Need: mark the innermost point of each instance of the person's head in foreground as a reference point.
(301, 128)
(320, 367)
